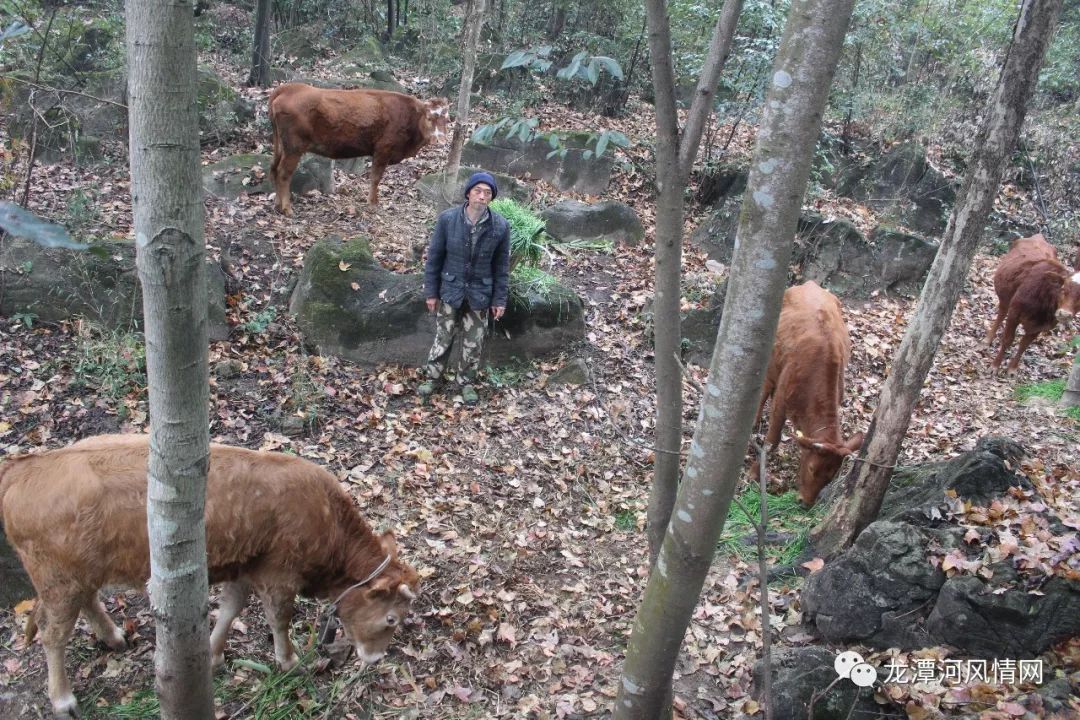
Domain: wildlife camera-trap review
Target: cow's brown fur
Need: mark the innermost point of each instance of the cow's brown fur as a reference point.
(805, 380)
(387, 126)
(1035, 290)
(275, 523)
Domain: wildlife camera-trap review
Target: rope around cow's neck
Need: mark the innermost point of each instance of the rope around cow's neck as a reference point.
(365, 581)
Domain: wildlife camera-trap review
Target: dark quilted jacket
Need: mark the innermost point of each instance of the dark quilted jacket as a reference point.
(483, 279)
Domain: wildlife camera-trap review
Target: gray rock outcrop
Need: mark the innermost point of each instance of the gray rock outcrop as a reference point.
(572, 172)
(103, 286)
(609, 220)
(370, 315)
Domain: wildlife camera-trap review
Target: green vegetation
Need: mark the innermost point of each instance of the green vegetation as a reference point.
(527, 236)
(626, 520)
(1048, 390)
(261, 320)
(112, 362)
(787, 516)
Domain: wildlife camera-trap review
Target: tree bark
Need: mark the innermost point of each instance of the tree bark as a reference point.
(260, 54)
(865, 485)
(796, 99)
(1071, 397)
(170, 249)
(674, 161)
(470, 40)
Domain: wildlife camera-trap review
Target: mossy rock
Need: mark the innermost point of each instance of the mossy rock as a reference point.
(347, 305)
(442, 194)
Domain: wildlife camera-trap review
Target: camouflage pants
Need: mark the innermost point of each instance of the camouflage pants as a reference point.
(472, 325)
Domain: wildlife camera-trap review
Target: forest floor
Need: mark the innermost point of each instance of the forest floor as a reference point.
(524, 514)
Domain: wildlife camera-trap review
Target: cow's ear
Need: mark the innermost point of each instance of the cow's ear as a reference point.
(389, 544)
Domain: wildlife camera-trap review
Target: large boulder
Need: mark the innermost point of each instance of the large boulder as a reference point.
(442, 194)
(249, 173)
(903, 186)
(346, 304)
(833, 253)
(52, 285)
(573, 171)
(571, 220)
(221, 108)
(885, 591)
(801, 673)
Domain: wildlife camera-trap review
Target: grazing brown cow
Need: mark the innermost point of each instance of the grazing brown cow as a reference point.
(275, 523)
(387, 126)
(1034, 290)
(805, 380)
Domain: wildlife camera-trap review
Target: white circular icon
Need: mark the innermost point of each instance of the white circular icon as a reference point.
(845, 661)
(863, 675)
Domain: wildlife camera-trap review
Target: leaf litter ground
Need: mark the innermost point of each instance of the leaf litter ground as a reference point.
(524, 514)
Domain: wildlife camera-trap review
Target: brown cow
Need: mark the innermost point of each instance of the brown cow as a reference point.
(1034, 290)
(275, 523)
(387, 126)
(805, 380)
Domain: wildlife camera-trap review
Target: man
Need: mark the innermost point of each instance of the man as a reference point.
(467, 274)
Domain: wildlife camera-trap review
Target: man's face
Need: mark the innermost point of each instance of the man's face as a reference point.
(480, 195)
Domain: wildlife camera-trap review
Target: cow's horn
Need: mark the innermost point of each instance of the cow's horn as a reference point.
(406, 592)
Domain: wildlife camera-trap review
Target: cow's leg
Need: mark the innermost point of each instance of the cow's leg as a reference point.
(234, 597)
(1007, 336)
(1003, 310)
(1027, 339)
(378, 165)
(102, 625)
(59, 616)
(282, 169)
(278, 605)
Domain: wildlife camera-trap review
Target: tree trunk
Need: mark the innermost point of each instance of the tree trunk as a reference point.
(168, 215)
(796, 99)
(470, 39)
(391, 20)
(1071, 397)
(260, 55)
(865, 485)
(673, 165)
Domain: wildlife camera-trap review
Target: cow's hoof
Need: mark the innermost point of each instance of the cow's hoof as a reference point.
(217, 660)
(117, 641)
(288, 663)
(66, 706)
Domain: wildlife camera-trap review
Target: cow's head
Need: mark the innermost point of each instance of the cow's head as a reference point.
(1069, 299)
(820, 462)
(372, 613)
(436, 119)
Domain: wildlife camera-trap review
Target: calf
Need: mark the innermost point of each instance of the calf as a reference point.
(387, 126)
(805, 380)
(1034, 290)
(275, 523)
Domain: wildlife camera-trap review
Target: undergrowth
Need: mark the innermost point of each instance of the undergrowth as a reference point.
(1050, 390)
(789, 523)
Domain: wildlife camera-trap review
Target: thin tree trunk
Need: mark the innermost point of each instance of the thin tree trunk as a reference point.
(260, 55)
(168, 214)
(1071, 397)
(865, 485)
(796, 99)
(674, 161)
(470, 39)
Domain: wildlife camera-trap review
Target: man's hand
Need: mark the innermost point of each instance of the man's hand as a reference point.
(498, 312)
(432, 304)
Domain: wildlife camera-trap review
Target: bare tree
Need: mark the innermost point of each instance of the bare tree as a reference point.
(789, 130)
(865, 486)
(674, 162)
(168, 212)
(470, 39)
(260, 54)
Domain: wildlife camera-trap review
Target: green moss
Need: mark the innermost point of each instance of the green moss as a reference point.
(325, 262)
(324, 319)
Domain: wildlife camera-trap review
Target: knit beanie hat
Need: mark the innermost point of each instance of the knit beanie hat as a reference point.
(482, 177)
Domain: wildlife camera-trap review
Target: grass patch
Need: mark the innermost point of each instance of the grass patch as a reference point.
(507, 375)
(626, 520)
(528, 283)
(1049, 390)
(786, 516)
(527, 237)
(112, 362)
